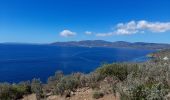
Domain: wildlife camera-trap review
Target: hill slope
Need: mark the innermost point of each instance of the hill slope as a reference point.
(118, 44)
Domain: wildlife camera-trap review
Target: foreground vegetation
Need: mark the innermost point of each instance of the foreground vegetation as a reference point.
(141, 81)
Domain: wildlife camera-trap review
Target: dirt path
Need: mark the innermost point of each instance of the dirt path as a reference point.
(83, 94)
(30, 97)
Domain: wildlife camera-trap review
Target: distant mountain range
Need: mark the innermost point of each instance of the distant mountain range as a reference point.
(118, 44)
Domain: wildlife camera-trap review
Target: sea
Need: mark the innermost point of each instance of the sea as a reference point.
(22, 62)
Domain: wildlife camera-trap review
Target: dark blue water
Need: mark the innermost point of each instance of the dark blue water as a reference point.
(24, 62)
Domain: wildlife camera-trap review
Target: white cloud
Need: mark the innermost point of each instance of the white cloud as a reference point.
(88, 33)
(134, 27)
(154, 26)
(127, 28)
(67, 33)
(104, 34)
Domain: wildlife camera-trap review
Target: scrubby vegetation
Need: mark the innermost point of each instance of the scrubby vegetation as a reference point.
(14, 91)
(141, 81)
(120, 71)
(98, 95)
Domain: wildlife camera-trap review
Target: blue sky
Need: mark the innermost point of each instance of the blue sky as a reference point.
(45, 21)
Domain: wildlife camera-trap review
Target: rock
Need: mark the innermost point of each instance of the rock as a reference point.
(165, 58)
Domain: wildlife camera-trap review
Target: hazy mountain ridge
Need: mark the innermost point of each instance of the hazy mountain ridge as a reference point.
(117, 44)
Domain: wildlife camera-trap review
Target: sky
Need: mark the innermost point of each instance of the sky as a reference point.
(46, 21)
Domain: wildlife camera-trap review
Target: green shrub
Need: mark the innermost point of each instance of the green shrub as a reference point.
(14, 91)
(93, 80)
(57, 77)
(23, 87)
(36, 87)
(67, 83)
(97, 95)
(19, 90)
(119, 70)
(5, 89)
(150, 92)
(59, 89)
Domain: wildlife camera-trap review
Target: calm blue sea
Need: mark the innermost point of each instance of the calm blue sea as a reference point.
(24, 62)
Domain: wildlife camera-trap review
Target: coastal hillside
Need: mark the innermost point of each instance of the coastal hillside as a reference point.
(84, 50)
(117, 81)
(118, 44)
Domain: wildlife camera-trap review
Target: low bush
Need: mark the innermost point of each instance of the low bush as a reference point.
(119, 70)
(14, 91)
(97, 95)
(67, 83)
(149, 92)
(36, 87)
